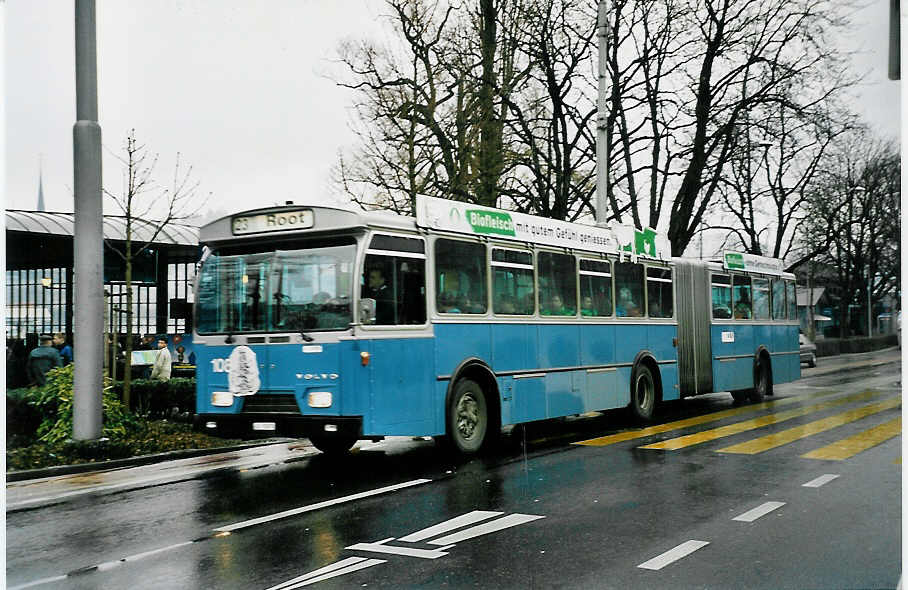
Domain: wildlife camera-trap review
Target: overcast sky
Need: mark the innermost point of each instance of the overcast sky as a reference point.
(239, 88)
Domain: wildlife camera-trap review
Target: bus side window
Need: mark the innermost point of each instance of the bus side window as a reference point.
(595, 288)
(792, 300)
(659, 292)
(557, 284)
(778, 299)
(743, 298)
(460, 277)
(629, 289)
(761, 299)
(397, 283)
(379, 284)
(513, 289)
(721, 296)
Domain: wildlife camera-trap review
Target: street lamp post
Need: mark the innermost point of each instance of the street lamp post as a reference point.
(88, 233)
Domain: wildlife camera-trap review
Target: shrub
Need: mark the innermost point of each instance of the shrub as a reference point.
(54, 400)
(22, 418)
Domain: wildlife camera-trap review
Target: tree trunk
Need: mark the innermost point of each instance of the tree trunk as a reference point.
(127, 364)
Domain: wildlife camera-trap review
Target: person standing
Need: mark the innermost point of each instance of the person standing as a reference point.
(162, 361)
(41, 360)
(66, 351)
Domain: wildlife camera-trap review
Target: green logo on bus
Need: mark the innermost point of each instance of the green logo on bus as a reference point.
(734, 261)
(491, 222)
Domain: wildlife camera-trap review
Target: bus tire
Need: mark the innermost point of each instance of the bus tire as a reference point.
(643, 394)
(333, 444)
(762, 381)
(468, 418)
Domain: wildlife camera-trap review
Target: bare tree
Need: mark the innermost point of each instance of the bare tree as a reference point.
(777, 154)
(854, 222)
(150, 207)
(689, 82)
(477, 105)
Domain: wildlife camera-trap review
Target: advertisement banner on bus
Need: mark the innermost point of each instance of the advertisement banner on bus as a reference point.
(753, 263)
(467, 218)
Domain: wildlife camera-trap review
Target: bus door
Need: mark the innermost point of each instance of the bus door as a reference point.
(399, 344)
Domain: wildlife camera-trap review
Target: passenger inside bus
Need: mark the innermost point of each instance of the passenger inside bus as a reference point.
(586, 307)
(626, 306)
(742, 306)
(449, 297)
(556, 307)
(506, 304)
(377, 289)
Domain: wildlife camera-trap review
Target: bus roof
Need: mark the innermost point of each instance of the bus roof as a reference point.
(278, 221)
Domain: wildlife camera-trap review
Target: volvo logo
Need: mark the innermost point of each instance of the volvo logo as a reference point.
(310, 376)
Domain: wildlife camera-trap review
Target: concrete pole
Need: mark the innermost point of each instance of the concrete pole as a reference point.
(89, 237)
(869, 308)
(602, 147)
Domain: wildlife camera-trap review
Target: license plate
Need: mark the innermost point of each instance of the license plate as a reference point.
(264, 426)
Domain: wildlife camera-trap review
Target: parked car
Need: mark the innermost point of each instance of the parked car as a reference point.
(808, 351)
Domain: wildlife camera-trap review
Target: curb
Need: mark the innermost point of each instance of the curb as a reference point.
(45, 472)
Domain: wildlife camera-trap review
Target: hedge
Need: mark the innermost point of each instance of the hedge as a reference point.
(161, 399)
(834, 346)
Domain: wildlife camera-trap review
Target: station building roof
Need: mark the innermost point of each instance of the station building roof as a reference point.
(63, 224)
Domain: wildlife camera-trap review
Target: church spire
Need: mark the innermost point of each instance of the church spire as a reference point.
(40, 186)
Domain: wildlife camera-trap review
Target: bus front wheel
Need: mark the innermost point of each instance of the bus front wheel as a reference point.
(468, 417)
(333, 445)
(643, 394)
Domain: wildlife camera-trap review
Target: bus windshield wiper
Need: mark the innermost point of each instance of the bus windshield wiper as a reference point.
(306, 337)
(228, 339)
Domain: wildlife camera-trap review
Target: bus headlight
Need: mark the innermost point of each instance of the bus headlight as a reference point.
(222, 399)
(319, 399)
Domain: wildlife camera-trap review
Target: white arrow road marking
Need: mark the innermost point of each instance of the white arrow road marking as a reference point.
(450, 525)
(345, 566)
(822, 480)
(673, 555)
(352, 564)
(486, 528)
(761, 510)
(380, 547)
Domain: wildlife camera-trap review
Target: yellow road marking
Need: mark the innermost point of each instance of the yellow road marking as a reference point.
(695, 421)
(681, 442)
(851, 446)
(771, 441)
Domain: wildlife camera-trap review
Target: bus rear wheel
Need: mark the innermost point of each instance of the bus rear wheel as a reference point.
(468, 417)
(337, 444)
(643, 394)
(762, 382)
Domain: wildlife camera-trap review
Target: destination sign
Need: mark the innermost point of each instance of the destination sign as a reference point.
(272, 222)
(457, 216)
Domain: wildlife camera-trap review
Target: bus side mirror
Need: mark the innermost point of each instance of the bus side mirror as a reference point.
(367, 310)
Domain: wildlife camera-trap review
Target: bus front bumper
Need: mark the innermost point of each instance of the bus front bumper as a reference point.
(263, 425)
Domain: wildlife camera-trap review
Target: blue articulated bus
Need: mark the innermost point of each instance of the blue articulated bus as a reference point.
(341, 325)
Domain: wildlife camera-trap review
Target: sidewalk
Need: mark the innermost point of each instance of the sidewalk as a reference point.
(831, 364)
(22, 495)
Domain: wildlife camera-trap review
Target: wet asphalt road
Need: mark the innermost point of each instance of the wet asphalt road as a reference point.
(542, 512)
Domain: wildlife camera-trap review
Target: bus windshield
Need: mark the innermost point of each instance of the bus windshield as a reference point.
(276, 291)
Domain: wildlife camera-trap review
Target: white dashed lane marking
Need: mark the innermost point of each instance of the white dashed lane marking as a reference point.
(761, 510)
(822, 480)
(673, 555)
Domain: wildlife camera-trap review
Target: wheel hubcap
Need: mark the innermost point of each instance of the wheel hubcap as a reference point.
(467, 415)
